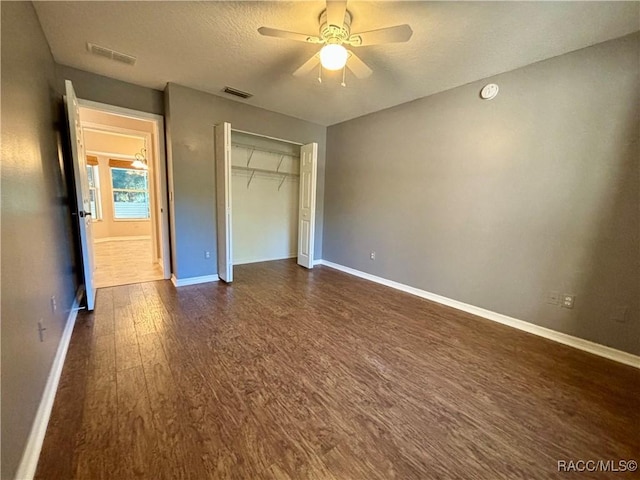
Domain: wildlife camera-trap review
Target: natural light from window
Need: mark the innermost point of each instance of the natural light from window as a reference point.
(94, 192)
(130, 194)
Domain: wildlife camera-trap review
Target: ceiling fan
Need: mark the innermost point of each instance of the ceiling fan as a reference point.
(335, 34)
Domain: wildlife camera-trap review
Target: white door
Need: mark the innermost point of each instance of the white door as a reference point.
(307, 212)
(81, 182)
(222, 134)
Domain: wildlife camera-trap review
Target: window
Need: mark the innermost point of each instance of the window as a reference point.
(130, 194)
(94, 192)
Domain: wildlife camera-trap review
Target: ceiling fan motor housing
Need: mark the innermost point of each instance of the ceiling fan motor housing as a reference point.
(334, 33)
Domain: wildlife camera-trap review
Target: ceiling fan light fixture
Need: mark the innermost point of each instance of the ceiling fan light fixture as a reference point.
(335, 34)
(333, 56)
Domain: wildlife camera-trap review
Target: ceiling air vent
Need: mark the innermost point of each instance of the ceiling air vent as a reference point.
(111, 54)
(237, 93)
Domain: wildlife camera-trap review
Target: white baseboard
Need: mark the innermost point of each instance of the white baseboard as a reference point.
(121, 239)
(31, 454)
(183, 282)
(579, 343)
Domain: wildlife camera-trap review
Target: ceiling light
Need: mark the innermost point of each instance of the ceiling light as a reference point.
(141, 160)
(333, 56)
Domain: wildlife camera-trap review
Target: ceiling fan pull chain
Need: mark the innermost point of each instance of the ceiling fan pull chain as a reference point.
(344, 76)
(320, 73)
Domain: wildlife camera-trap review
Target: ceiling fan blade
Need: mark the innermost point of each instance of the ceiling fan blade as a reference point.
(358, 67)
(300, 37)
(335, 12)
(307, 66)
(397, 34)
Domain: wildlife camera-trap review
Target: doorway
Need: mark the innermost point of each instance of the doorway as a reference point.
(265, 199)
(265, 178)
(127, 183)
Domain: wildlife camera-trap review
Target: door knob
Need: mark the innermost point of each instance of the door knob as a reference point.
(84, 214)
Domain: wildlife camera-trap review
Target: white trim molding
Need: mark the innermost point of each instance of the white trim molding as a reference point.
(121, 239)
(183, 282)
(570, 340)
(122, 111)
(31, 454)
(100, 153)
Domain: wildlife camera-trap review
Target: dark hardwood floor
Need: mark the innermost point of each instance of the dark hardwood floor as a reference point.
(296, 374)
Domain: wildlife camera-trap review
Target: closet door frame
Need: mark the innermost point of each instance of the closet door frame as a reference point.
(224, 198)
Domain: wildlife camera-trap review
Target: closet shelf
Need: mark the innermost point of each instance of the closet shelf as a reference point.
(265, 150)
(264, 170)
(253, 171)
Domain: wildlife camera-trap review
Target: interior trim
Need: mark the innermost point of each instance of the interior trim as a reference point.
(575, 342)
(31, 454)
(183, 282)
(122, 239)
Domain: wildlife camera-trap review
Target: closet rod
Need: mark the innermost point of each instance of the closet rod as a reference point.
(252, 147)
(259, 135)
(263, 170)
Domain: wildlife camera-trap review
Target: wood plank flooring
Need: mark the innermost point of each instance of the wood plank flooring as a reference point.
(296, 374)
(121, 262)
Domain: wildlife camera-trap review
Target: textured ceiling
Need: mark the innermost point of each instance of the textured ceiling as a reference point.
(207, 45)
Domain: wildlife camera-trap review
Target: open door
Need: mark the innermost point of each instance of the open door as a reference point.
(83, 195)
(307, 212)
(222, 134)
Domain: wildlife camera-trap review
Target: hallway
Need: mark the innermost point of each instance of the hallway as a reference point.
(122, 262)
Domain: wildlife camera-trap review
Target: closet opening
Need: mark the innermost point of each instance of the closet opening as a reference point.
(265, 199)
(265, 179)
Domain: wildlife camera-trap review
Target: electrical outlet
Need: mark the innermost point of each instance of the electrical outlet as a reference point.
(372, 255)
(207, 254)
(41, 330)
(54, 304)
(568, 300)
(619, 313)
(553, 298)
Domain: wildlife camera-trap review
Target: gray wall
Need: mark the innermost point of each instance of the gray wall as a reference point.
(190, 116)
(496, 203)
(37, 245)
(97, 88)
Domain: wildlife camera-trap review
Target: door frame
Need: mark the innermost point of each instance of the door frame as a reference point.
(160, 180)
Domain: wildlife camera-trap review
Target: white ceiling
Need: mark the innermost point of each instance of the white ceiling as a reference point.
(207, 45)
